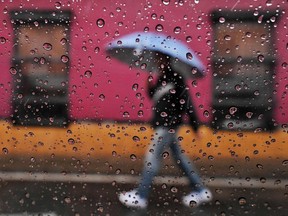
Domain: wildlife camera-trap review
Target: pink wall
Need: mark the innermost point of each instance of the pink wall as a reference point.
(114, 80)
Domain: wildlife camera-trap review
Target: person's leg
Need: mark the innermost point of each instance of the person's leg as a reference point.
(200, 194)
(186, 166)
(153, 158)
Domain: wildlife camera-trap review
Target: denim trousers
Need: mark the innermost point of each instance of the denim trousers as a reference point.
(164, 139)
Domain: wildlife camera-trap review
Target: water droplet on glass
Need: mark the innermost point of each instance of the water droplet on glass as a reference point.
(242, 200)
(126, 114)
(269, 3)
(13, 71)
(100, 23)
(221, 19)
(166, 2)
(174, 189)
(136, 138)
(135, 86)
(2, 40)
(47, 46)
(165, 154)
(63, 41)
(5, 151)
(238, 87)
(177, 30)
(133, 157)
(88, 74)
(249, 114)
(232, 110)
(143, 66)
(188, 39)
(285, 162)
(260, 19)
(102, 97)
(206, 113)
(260, 58)
(227, 37)
(58, 5)
(140, 113)
(159, 28)
(163, 114)
(71, 141)
(189, 56)
(64, 58)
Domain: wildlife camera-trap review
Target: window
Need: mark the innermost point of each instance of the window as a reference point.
(40, 67)
(243, 64)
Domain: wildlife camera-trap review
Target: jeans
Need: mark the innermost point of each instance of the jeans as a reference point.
(162, 140)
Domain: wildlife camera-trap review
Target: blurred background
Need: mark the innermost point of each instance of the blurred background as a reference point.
(75, 123)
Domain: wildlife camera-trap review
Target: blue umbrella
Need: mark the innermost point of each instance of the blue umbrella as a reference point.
(139, 50)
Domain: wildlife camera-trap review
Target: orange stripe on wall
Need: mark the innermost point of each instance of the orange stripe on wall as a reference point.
(90, 139)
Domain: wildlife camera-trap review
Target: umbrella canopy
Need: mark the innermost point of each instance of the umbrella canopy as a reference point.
(139, 50)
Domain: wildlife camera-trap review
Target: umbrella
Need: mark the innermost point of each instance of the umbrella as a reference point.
(139, 50)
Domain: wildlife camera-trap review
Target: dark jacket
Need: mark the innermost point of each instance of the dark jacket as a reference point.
(171, 101)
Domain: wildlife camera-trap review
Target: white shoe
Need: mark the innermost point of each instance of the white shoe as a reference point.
(195, 199)
(132, 199)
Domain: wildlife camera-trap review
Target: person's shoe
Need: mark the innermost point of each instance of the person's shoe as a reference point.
(196, 198)
(132, 199)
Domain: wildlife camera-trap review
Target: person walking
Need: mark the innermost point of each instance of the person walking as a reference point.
(171, 101)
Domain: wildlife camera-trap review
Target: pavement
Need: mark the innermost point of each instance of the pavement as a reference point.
(55, 196)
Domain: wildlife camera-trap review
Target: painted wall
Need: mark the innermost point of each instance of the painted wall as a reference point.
(108, 93)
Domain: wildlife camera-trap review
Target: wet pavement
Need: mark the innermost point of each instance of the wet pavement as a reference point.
(87, 199)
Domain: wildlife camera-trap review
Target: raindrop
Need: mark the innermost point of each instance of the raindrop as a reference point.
(97, 49)
(163, 114)
(140, 113)
(206, 113)
(58, 5)
(63, 41)
(232, 110)
(5, 151)
(166, 2)
(2, 40)
(13, 71)
(260, 19)
(227, 37)
(260, 58)
(269, 3)
(64, 58)
(242, 200)
(174, 189)
(177, 30)
(143, 66)
(135, 86)
(102, 97)
(285, 162)
(136, 138)
(249, 114)
(71, 141)
(159, 28)
(237, 87)
(47, 46)
(188, 39)
(165, 154)
(221, 19)
(100, 23)
(189, 56)
(88, 74)
(126, 114)
(142, 128)
(133, 157)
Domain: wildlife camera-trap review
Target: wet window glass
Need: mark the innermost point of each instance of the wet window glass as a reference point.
(168, 107)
